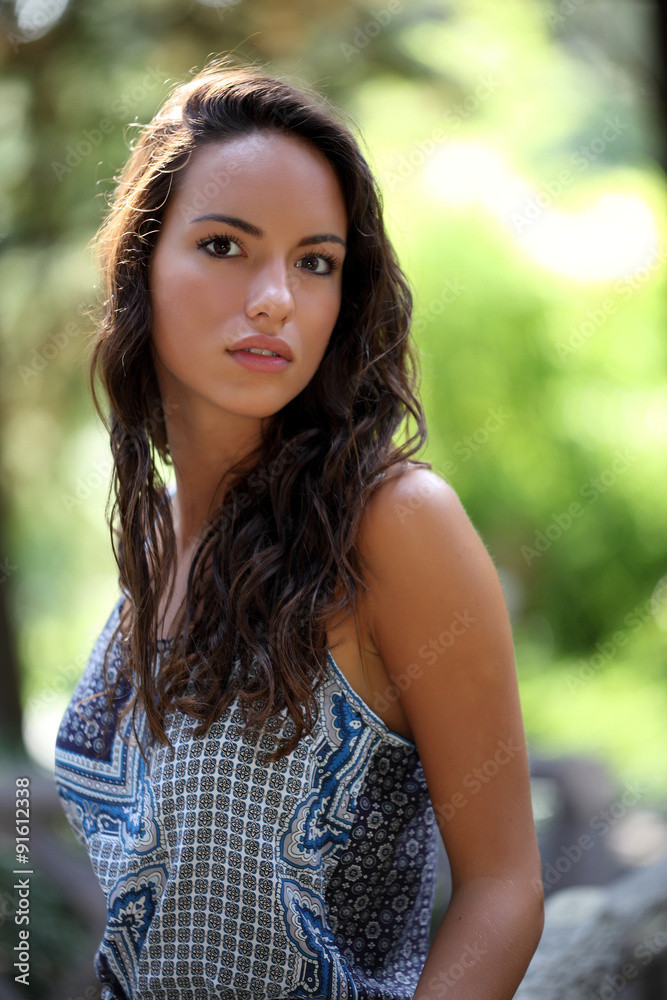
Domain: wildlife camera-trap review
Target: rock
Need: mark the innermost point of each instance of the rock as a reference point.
(597, 940)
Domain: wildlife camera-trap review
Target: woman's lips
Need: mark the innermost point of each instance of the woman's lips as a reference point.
(260, 362)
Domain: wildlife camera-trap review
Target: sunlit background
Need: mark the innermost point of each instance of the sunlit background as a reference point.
(520, 148)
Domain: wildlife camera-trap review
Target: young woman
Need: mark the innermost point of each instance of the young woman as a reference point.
(260, 815)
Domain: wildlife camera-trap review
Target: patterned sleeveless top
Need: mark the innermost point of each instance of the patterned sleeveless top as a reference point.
(228, 879)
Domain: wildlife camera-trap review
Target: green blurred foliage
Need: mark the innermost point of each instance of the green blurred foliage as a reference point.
(521, 423)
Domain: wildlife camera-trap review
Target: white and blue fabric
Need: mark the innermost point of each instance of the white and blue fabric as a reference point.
(227, 879)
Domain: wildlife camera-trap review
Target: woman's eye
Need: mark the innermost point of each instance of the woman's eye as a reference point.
(223, 243)
(316, 264)
(222, 246)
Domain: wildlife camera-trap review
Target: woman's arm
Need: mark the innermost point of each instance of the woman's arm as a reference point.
(438, 617)
(483, 946)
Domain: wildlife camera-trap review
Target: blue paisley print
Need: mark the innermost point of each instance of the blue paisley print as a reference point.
(229, 879)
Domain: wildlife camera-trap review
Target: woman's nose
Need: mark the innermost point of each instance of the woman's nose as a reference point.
(272, 294)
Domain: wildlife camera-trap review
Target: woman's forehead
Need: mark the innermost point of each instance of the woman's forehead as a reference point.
(260, 172)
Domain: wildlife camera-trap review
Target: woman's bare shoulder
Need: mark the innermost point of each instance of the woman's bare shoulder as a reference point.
(438, 619)
(415, 532)
(404, 489)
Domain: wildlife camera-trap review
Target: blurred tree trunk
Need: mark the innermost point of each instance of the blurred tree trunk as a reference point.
(661, 74)
(11, 739)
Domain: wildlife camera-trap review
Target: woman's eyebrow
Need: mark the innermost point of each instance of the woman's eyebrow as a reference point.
(247, 227)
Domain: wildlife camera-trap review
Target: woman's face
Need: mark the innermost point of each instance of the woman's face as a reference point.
(269, 264)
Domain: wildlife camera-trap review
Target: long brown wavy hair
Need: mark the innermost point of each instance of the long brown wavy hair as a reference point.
(283, 541)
